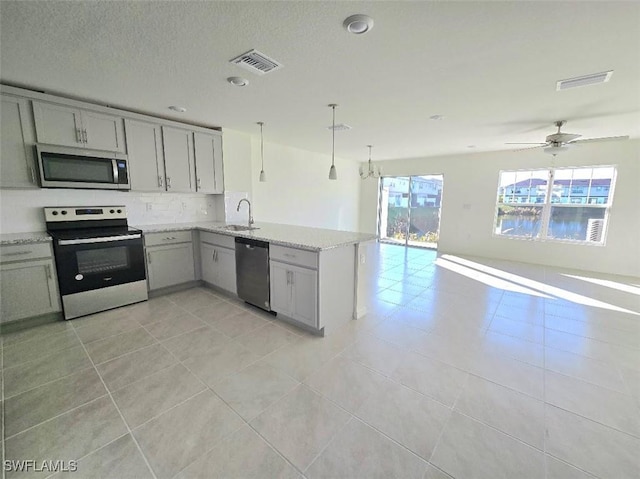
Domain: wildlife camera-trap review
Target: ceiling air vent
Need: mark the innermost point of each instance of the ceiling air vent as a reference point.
(256, 62)
(339, 127)
(592, 79)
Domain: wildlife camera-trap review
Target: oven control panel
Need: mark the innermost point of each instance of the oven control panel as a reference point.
(84, 213)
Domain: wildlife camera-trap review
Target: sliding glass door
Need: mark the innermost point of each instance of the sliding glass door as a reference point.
(409, 210)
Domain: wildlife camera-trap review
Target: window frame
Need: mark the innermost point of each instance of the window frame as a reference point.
(548, 205)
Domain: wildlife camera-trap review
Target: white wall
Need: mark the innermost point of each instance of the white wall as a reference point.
(468, 206)
(298, 190)
(21, 210)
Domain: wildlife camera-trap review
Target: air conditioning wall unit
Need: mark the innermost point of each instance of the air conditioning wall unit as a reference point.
(595, 230)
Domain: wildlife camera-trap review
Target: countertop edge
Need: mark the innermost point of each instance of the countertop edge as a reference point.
(148, 229)
(19, 239)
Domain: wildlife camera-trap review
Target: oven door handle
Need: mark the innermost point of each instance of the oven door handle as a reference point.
(106, 239)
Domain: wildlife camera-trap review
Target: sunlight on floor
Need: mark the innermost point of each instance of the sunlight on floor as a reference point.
(627, 288)
(487, 279)
(536, 285)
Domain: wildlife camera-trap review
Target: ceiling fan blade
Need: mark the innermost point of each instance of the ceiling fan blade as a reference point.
(536, 143)
(541, 145)
(604, 138)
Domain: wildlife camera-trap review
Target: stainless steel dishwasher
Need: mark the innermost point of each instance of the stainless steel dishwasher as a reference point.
(252, 272)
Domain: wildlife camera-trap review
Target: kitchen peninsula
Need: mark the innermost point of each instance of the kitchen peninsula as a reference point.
(314, 273)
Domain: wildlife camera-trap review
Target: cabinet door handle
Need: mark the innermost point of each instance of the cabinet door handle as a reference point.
(78, 135)
(85, 136)
(215, 255)
(148, 258)
(168, 182)
(289, 255)
(49, 275)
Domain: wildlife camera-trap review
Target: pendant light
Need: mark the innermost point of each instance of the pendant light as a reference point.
(371, 171)
(333, 174)
(263, 175)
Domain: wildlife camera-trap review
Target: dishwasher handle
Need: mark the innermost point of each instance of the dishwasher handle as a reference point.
(251, 243)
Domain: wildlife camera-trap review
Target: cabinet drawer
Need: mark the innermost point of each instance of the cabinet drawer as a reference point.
(169, 237)
(21, 252)
(218, 239)
(300, 257)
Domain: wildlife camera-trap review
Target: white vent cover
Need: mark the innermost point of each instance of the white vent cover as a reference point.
(256, 62)
(592, 79)
(594, 230)
(339, 127)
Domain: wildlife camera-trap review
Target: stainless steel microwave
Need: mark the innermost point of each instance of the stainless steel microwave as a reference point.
(67, 167)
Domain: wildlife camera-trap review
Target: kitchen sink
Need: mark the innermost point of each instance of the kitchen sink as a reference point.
(240, 228)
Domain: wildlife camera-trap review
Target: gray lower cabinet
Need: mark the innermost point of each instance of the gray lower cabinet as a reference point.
(28, 285)
(219, 265)
(294, 292)
(169, 259)
(17, 166)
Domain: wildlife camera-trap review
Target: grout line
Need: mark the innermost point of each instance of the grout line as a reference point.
(333, 436)
(47, 383)
(88, 454)
(144, 457)
(57, 416)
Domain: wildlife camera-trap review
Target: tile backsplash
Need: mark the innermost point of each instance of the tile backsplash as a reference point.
(21, 210)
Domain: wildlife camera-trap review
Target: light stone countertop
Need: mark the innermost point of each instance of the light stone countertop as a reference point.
(24, 238)
(303, 237)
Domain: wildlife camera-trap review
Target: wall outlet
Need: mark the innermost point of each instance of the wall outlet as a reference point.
(149, 206)
(363, 258)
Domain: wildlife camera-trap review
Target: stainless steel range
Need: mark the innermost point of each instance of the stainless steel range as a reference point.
(99, 258)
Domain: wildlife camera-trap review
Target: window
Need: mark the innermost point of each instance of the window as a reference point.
(574, 208)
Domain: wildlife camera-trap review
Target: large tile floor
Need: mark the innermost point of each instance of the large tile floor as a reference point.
(462, 368)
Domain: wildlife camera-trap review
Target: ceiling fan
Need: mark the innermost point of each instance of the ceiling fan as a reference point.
(559, 141)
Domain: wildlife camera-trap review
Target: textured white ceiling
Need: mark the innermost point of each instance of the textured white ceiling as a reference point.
(490, 68)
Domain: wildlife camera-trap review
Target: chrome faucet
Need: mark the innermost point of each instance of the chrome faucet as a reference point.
(250, 215)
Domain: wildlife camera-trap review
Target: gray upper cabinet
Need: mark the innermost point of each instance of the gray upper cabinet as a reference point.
(178, 159)
(208, 162)
(146, 157)
(69, 126)
(17, 167)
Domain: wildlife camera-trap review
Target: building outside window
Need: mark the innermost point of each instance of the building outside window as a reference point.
(566, 204)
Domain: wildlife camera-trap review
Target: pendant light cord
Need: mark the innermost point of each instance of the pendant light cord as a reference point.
(261, 146)
(333, 137)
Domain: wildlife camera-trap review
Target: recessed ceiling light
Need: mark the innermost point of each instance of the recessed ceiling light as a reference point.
(238, 81)
(179, 109)
(436, 117)
(358, 24)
